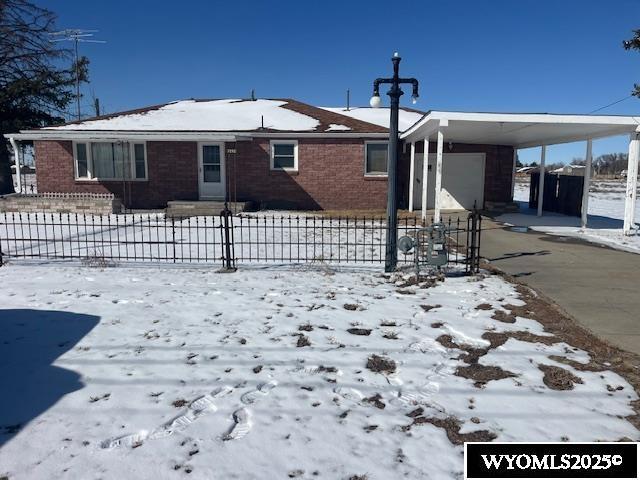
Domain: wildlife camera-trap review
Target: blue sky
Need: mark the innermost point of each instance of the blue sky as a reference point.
(562, 56)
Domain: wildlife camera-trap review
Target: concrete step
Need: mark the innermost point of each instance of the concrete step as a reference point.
(185, 208)
(501, 207)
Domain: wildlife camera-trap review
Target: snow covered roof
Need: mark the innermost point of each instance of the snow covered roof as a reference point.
(568, 168)
(225, 116)
(379, 116)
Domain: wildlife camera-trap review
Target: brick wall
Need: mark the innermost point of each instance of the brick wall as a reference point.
(60, 203)
(172, 175)
(330, 176)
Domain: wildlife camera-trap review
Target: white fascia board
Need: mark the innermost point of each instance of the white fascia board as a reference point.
(531, 118)
(416, 126)
(539, 118)
(175, 136)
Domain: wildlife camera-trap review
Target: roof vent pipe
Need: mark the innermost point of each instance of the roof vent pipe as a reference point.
(348, 93)
(253, 95)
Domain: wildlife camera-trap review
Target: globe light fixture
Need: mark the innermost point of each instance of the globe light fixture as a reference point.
(375, 101)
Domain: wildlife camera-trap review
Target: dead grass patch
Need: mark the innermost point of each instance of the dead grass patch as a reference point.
(557, 378)
(379, 364)
(376, 401)
(359, 331)
(452, 426)
(484, 306)
(303, 341)
(482, 374)
(427, 308)
(503, 316)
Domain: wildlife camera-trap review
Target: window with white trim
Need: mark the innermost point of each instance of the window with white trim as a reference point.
(110, 160)
(284, 155)
(375, 161)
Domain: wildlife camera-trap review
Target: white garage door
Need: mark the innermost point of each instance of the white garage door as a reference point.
(462, 181)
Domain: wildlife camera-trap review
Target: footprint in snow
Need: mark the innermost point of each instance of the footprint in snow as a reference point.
(242, 426)
(197, 408)
(318, 369)
(133, 440)
(262, 390)
(178, 424)
(417, 397)
(348, 393)
(427, 345)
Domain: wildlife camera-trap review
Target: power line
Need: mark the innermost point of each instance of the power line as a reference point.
(611, 104)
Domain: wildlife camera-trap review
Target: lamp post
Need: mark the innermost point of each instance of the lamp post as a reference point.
(391, 251)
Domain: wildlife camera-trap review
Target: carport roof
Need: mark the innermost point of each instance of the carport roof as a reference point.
(520, 130)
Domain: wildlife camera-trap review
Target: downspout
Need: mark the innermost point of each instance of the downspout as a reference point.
(16, 157)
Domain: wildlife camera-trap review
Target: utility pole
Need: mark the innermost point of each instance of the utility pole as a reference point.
(395, 92)
(75, 35)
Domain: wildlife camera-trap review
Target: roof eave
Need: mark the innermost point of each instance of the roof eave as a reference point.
(181, 135)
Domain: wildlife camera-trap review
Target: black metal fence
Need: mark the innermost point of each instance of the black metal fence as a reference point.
(226, 239)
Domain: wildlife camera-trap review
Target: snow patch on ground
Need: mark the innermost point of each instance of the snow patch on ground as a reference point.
(190, 371)
(606, 213)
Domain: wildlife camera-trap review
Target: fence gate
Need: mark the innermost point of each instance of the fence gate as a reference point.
(562, 193)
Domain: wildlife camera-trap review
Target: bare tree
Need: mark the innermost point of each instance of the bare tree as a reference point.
(35, 90)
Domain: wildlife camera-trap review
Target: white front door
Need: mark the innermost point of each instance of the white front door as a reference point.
(211, 171)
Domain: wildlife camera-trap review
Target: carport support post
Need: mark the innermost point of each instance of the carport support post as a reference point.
(632, 183)
(513, 173)
(425, 178)
(586, 184)
(16, 157)
(412, 174)
(543, 155)
(438, 206)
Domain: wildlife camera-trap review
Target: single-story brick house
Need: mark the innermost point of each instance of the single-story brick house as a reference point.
(284, 153)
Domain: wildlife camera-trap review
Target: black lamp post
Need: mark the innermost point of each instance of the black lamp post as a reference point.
(391, 252)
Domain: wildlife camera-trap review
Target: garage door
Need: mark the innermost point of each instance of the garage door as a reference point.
(462, 181)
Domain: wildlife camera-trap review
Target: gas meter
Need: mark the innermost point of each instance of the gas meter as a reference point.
(429, 246)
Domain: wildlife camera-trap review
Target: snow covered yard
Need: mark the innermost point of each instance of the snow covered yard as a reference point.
(299, 372)
(606, 212)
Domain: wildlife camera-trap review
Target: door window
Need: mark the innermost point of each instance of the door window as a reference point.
(211, 163)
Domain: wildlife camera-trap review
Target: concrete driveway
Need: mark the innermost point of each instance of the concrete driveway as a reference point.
(598, 286)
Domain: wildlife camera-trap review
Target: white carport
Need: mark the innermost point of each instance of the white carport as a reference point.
(520, 131)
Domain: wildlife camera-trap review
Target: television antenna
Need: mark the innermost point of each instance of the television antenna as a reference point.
(75, 35)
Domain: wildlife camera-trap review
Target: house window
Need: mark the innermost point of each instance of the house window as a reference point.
(140, 160)
(111, 161)
(284, 155)
(82, 161)
(376, 158)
